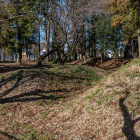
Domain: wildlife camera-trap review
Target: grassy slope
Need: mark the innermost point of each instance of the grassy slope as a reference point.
(111, 110)
(101, 112)
(27, 96)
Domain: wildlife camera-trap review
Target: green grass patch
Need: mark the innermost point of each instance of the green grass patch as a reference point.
(45, 114)
(35, 103)
(4, 106)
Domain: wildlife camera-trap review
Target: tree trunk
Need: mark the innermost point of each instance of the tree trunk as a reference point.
(46, 46)
(14, 57)
(9, 57)
(48, 38)
(139, 40)
(94, 46)
(3, 57)
(38, 35)
(139, 32)
(19, 56)
(114, 58)
(101, 60)
(83, 43)
(38, 41)
(101, 57)
(26, 49)
(19, 45)
(80, 56)
(34, 52)
(47, 33)
(94, 50)
(89, 52)
(75, 55)
(135, 50)
(41, 58)
(127, 51)
(84, 57)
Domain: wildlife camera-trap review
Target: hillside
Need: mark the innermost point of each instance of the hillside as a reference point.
(28, 92)
(111, 110)
(71, 102)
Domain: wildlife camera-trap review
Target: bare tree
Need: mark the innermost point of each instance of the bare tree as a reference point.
(68, 20)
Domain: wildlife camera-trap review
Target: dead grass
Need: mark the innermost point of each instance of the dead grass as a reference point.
(101, 113)
(28, 93)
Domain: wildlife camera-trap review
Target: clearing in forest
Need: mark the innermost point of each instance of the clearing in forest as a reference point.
(70, 102)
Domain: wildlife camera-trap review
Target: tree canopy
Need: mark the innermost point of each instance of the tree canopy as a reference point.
(72, 27)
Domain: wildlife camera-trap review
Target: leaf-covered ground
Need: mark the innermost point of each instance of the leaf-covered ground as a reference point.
(71, 102)
(27, 93)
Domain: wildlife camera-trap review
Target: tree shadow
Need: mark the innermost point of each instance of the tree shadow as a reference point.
(9, 136)
(7, 62)
(21, 79)
(5, 68)
(128, 128)
(4, 81)
(27, 98)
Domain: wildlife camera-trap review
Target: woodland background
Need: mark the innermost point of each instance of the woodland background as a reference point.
(69, 29)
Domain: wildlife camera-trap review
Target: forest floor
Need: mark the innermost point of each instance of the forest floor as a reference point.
(73, 101)
(107, 64)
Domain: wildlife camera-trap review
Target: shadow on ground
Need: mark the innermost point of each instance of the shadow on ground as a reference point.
(128, 128)
(20, 79)
(8, 136)
(25, 97)
(7, 62)
(8, 68)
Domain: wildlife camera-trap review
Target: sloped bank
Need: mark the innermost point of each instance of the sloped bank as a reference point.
(111, 110)
(28, 95)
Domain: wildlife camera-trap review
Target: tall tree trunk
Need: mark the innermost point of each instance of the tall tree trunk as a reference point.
(101, 60)
(139, 32)
(19, 52)
(115, 58)
(89, 51)
(46, 46)
(39, 34)
(127, 51)
(94, 50)
(83, 43)
(38, 41)
(135, 50)
(101, 57)
(139, 40)
(94, 46)
(75, 30)
(48, 38)
(9, 57)
(14, 57)
(131, 55)
(19, 55)
(3, 56)
(26, 49)
(75, 55)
